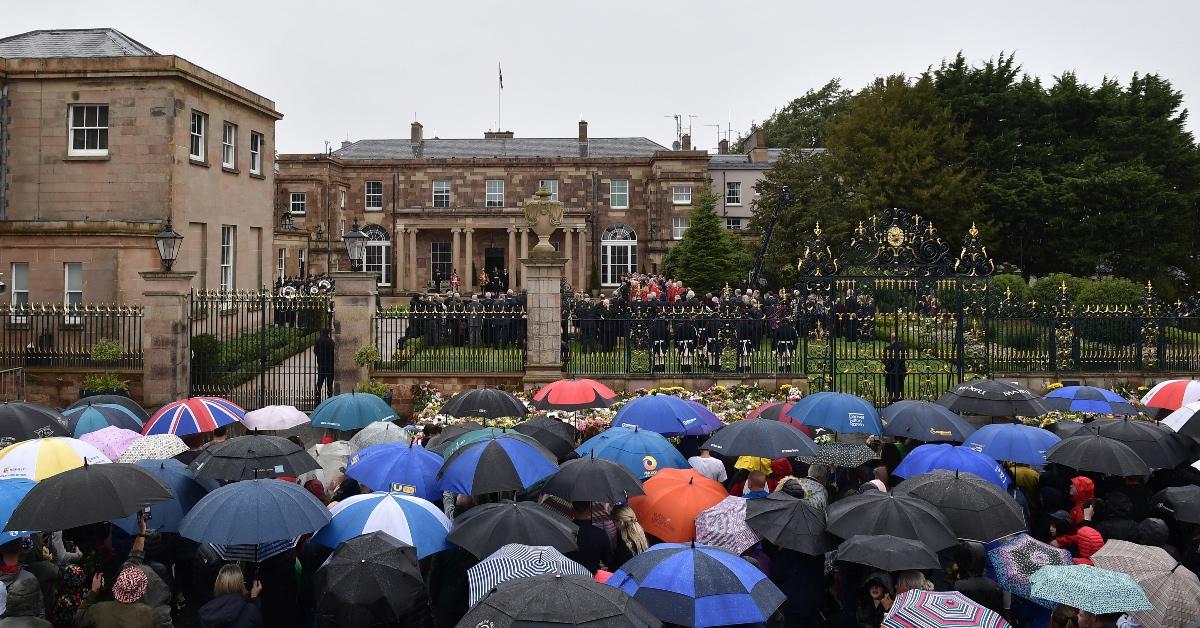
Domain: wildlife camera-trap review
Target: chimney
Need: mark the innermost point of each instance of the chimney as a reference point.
(346, 143)
(497, 135)
(583, 132)
(687, 142)
(723, 147)
(756, 147)
(415, 137)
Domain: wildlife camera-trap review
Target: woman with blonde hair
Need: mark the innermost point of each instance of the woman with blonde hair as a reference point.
(631, 539)
(232, 606)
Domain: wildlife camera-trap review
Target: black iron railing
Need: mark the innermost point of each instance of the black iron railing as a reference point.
(39, 334)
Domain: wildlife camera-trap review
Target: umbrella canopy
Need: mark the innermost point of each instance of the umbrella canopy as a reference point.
(20, 421)
(574, 394)
(447, 448)
(194, 415)
(1088, 399)
(518, 561)
(1065, 428)
(978, 510)
(186, 491)
(253, 457)
(554, 435)
(673, 499)
(789, 522)
(351, 411)
(97, 416)
(412, 520)
(402, 468)
(724, 525)
(270, 418)
(120, 400)
(838, 412)
(934, 457)
(761, 438)
(1172, 394)
(449, 433)
(988, 397)
(1172, 588)
(156, 447)
(1092, 452)
(643, 452)
(372, 580)
(253, 512)
(499, 464)
(41, 458)
(907, 517)
(12, 491)
(558, 600)
(937, 609)
(86, 495)
(666, 414)
(484, 403)
(842, 455)
(1092, 589)
(924, 421)
(111, 441)
(1013, 442)
(592, 479)
(1182, 501)
(484, 529)
(1158, 446)
(1013, 563)
(709, 421)
(254, 553)
(697, 585)
(887, 552)
(1185, 420)
(379, 433)
(332, 457)
(777, 411)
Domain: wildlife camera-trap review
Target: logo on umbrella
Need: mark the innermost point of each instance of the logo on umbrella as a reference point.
(937, 432)
(857, 419)
(649, 463)
(407, 489)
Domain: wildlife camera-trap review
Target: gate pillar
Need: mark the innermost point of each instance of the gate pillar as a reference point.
(166, 339)
(353, 315)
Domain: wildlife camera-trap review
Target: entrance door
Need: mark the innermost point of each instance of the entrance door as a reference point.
(493, 260)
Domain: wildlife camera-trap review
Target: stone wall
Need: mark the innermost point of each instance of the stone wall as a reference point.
(60, 387)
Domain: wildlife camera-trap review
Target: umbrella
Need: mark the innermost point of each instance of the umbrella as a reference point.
(988, 397)
(97, 416)
(592, 479)
(41, 458)
(372, 580)
(904, 516)
(252, 512)
(85, 495)
(761, 438)
(1182, 501)
(673, 499)
(1092, 589)
(194, 415)
(724, 525)
(1012, 564)
(518, 561)
(558, 600)
(1172, 588)
(838, 412)
(643, 452)
(120, 400)
(1088, 399)
(697, 585)
(111, 441)
(1093, 452)
(156, 447)
(448, 448)
(484, 529)
(20, 421)
(937, 609)
(1172, 394)
(499, 464)
(412, 520)
(574, 394)
(978, 510)
(777, 411)
(788, 522)
(842, 455)
(924, 421)
(666, 414)
(378, 433)
(451, 433)
(753, 463)
(271, 418)
(1065, 428)
(186, 491)
(1185, 420)
(332, 457)
(1013, 442)
(932, 457)
(1155, 444)
(253, 457)
(12, 491)
(484, 403)
(554, 435)
(254, 552)
(351, 411)
(402, 468)
(886, 552)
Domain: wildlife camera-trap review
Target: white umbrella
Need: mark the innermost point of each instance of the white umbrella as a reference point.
(378, 433)
(274, 418)
(332, 457)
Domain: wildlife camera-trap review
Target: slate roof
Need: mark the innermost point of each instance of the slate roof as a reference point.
(742, 161)
(83, 42)
(554, 147)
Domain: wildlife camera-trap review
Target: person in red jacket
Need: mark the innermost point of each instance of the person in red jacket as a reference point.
(1082, 489)
(1084, 538)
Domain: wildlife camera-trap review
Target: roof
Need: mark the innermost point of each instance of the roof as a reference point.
(742, 161)
(83, 42)
(555, 147)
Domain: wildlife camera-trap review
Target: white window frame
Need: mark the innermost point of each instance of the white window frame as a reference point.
(342, 227)
(679, 225)
(281, 263)
(618, 198)
(550, 184)
(256, 145)
(198, 136)
(228, 257)
(730, 221)
(435, 260)
(373, 201)
(493, 193)
(301, 262)
(611, 248)
(229, 132)
(730, 186)
(100, 130)
(67, 291)
(378, 254)
(681, 195)
(342, 198)
(441, 194)
(298, 200)
(19, 290)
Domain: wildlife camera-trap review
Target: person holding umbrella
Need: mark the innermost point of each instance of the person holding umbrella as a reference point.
(631, 538)
(125, 611)
(232, 606)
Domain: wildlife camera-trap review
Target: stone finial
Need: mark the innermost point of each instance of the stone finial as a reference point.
(543, 216)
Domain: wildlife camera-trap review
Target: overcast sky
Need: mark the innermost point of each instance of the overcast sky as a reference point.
(363, 69)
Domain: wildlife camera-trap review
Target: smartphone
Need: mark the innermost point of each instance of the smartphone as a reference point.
(146, 514)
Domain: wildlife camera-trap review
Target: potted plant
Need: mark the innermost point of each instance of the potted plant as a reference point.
(104, 353)
(377, 388)
(367, 356)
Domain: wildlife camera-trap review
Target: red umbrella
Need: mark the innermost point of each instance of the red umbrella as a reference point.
(777, 411)
(574, 394)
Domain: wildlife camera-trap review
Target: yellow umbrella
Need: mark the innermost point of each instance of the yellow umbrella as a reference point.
(41, 458)
(753, 463)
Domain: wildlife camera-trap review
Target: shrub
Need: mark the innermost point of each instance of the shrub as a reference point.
(367, 356)
(106, 351)
(106, 383)
(1045, 291)
(1109, 291)
(374, 387)
(1014, 283)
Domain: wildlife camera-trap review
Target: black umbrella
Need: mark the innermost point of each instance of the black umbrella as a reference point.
(978, 510)
(924, 421)
(845, 455)
(1159, 446)
(988, 397)
(558, 600)
(592, 479)
(119, 400)
(761, 438)
(1065, 428)
(887, 552)
(23, 421)
(370, 580)
(88, 494)
(873, 512)
(449, 434)
(1182, 501)
(788, 522)
(253, 457)
(485, 529)
(1089, 451)
(484, 403)
(555, 435)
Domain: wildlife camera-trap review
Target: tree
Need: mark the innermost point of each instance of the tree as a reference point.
(802, 123)
(709, 255)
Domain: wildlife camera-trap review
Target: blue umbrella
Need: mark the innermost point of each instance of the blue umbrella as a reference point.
(253, 512)
(400, 467)
(500, 464)
(932, 457)
(1013, 442)
(838, 412)
(351, 411)
(12, 491)
(643, 452)
(924, 421)
(186, 491)
(97, 416)
(666, 414)
(698, 585)
(1088, 399)
(411, 520)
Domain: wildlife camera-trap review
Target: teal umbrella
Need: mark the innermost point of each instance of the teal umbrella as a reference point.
(351, 411)
(1092, 589)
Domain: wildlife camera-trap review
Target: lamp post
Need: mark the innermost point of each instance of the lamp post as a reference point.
(356, 246)
(168, 242)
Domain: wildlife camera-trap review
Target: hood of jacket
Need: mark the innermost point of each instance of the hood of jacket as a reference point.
(1085, 489)
(1154, 532)
(878, 577)
(224, 609)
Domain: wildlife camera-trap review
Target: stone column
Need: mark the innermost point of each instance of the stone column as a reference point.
(524, 283)
(412, 260)
(166, 340)
(353, 317)
(511, 253)
(468, 277)
(568, 235)
(400, 253)
(585, 261)
(455, 251)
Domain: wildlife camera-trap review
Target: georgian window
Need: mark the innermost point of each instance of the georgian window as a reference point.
(733, 192)
(681, 194)
(89, 130)
(618, 193)
(494, 193)
(441, 194)
(197, 146)
(618, 254)
(374, 196)
(379, 253)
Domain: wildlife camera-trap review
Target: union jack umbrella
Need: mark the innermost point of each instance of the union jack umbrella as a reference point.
(193, 415)
(935, 609)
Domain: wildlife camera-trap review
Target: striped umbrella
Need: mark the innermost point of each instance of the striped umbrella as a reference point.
(1012, 564)
(724, 525)
(97, 416)
(194, 415)
(1172, 394)
(518, 561)
(41, 458)
(1185, 420)
(1088, 399)
(254, 553)
(156, 447)
(411, 520)
(1092, 589)
(936, 609)
(111, 441)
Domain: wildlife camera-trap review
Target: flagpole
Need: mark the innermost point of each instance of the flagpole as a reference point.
(499, 89)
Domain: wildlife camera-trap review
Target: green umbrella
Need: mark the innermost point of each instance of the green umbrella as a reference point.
(351, 411)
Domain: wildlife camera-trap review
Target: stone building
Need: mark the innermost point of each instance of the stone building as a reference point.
(434, 206)
(735, 175)
(101, 140)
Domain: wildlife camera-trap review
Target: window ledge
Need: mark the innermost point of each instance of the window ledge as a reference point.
(86, 158)
(733, 204)
(198, 162)
(257, 175)
(225, 168)
(372, 209)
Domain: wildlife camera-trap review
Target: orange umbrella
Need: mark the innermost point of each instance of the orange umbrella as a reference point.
(673, 499)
